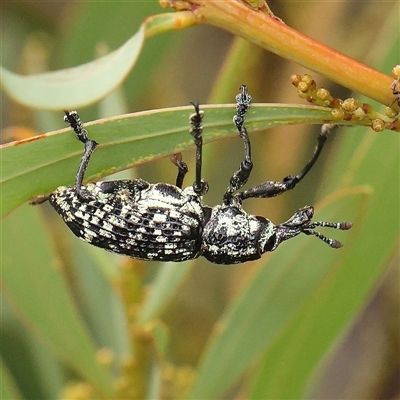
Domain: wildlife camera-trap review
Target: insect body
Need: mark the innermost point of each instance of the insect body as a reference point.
(167, 223)
(135, 218)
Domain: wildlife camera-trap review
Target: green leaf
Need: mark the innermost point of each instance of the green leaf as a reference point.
(74, 87)
(41, 164)
(162, 290)
(269, 303)
(85, 84)
(42, 301)
(289, 362)
(306, 294)
(8, 388)
(293, 362)
(80, 39)
(160, 336)
(99, 304)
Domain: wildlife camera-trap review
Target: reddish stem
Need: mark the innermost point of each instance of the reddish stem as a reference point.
(272, 34)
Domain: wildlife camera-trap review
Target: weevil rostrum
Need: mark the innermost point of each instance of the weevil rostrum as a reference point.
(164, 222)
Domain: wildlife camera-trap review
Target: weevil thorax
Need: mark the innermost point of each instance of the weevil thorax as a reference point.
(133, 217)
(232, 236)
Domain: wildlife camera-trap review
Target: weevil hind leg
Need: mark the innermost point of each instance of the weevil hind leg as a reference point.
(72, 118)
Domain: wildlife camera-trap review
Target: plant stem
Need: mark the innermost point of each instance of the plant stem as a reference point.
(272, 34)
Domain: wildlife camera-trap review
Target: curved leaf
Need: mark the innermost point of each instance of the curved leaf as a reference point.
(87, 83)
(40, 164)
(78, 86)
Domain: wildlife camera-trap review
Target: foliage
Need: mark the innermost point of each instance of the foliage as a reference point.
(78, 323)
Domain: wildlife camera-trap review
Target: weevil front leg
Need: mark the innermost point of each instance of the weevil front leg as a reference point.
(275, 188)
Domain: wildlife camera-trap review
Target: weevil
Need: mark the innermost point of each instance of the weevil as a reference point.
(164, 222)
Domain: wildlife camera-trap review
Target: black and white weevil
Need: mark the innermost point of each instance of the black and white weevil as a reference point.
(164, 222)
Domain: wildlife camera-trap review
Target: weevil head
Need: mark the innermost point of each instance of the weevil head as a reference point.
(271, 236)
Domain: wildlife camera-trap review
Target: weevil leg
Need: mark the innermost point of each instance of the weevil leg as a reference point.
(72, 118)
(182, 168)
(200, 186)
(240, 177)
(275, 188)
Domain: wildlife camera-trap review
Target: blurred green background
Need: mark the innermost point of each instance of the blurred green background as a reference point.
(328, 326)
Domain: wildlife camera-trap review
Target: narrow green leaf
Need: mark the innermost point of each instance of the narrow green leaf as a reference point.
(268, 304)
(289, 363)
(97, 300)
(78, 86)
(40, 164)
(162, 290)
(160, 336)
(8, 388)
(41, 300)
(87, 83)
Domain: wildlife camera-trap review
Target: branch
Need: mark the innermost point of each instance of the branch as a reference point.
(272, 34)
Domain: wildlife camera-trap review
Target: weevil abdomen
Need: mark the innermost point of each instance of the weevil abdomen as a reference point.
(132, 217)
